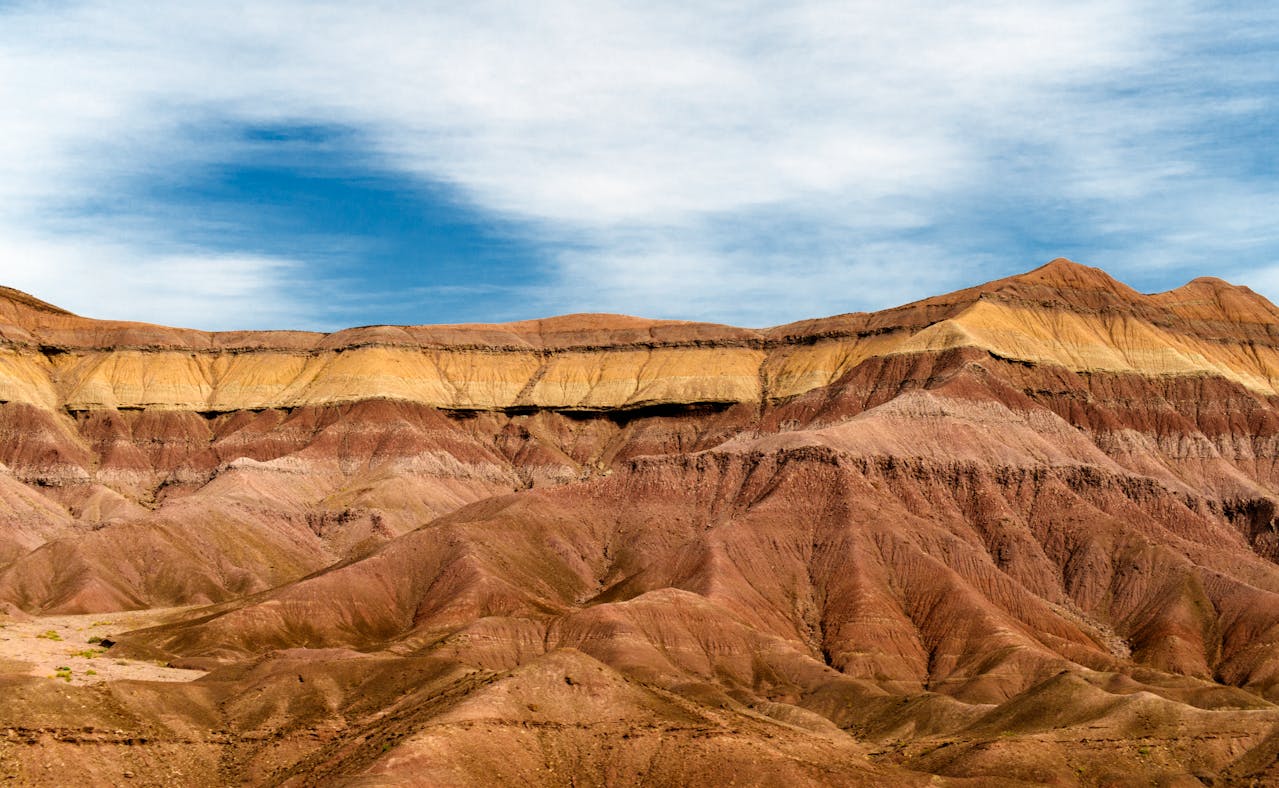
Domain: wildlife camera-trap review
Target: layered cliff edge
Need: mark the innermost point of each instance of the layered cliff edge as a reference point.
(1062, 314)
(1023, 532)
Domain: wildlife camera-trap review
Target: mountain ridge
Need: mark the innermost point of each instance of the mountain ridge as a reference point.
(1059, 273)
(556, 363)
(1020, 532)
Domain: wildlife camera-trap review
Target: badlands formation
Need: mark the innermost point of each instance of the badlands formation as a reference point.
(1023, 533)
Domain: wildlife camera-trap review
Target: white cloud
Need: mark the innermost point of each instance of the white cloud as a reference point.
(746, 288)
(107, 280)
(644, 133)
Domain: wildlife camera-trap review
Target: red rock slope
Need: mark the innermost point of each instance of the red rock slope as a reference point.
(1023, 531)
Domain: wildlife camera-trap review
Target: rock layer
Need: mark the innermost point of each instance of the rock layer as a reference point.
(1063, 315)
(1024, 531)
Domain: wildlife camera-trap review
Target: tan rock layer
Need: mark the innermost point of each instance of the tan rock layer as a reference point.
(1062, 315)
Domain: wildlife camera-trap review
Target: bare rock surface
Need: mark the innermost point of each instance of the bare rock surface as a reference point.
(1024, 533)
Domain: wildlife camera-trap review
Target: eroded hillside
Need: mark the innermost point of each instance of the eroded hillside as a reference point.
(1023, 532)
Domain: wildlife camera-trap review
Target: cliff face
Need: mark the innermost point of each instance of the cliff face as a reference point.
(1044, 503)
(1062, 315)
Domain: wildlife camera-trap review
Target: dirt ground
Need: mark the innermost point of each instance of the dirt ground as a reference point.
(68, 648)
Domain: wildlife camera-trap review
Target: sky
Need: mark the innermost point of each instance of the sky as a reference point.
(319, 165)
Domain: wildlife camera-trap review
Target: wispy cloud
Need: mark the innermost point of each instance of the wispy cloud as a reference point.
(752, 163)
(112, 281)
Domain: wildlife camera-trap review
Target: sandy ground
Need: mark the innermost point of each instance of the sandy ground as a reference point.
(58, 648)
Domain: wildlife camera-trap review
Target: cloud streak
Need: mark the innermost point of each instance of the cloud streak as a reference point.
(752, 163)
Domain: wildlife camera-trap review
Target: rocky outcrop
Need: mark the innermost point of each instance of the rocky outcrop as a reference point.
(1046, 503)
(1062, 315)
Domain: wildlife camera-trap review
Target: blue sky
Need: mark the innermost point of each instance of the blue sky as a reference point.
(316, 165)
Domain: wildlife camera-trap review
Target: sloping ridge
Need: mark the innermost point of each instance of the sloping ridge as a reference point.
(29, 301)
(1023, 532)
(1062, 314)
